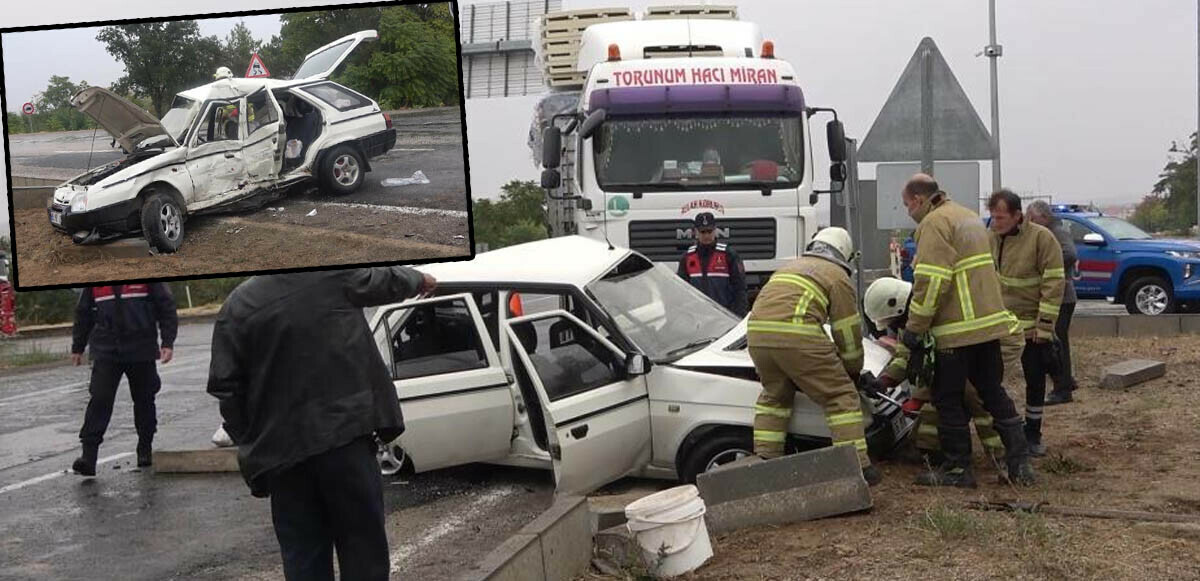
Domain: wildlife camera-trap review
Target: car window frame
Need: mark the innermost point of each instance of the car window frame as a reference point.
(473, 311)
(367, 102)
(194, 134)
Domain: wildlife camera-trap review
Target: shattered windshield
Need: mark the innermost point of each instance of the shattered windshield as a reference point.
(658, 311)
(179, 117)
(716, 152)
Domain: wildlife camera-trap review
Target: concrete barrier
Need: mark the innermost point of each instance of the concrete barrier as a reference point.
(556, 546)
(38, 197)
(1132, 372)
(1134, 325)
(195, 461)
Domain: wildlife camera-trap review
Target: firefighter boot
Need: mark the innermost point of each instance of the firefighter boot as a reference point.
(1020, 470)
(144, 456)
(1057, 396)
(872, 475)
(85, 464)
(956, 469)
(1033, 436)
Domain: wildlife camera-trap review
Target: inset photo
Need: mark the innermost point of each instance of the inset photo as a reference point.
(235, 144)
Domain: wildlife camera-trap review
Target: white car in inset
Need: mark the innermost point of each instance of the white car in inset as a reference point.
(570, 355)
(221, 144)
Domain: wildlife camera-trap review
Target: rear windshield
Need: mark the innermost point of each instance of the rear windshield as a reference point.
(321, 61)
(337, 96)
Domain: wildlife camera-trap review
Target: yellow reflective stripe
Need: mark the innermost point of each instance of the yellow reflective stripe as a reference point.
(933, 271)
(804, 283)
(901, 362)
(964, 296)
(919, 309)
(926, 429)
(1054, 273)
(985, 422)
(1048, 308)
(767, 410)
(931, 294)
(847, 323)
(975, 261)
(785, 327)
(846, 326)
(844, 418)
(851, 353)
(993, 442)
(769, 436)
(859, 444)
(802, 307)
(1027, 324)
(1022, 282)
(973, 324)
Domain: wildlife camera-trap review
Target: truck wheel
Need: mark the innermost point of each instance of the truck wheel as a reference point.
(162, 222)
(1150, 295)
(342, 171)
(716, 450)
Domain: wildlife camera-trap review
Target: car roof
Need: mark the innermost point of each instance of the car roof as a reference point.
(570, 260)
(236, 87)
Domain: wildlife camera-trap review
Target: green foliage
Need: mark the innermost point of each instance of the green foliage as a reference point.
(1176, 190)
(161, 58)
(416, 64)
(239, 46)
(58, 306)
(515, 218)
(1151, 214)
(304, 32)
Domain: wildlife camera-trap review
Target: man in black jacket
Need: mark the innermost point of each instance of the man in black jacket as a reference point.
(302, 390)
(714, 268)
(122, 324)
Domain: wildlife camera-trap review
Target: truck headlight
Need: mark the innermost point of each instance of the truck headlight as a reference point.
(1184, 254)
(79, 202)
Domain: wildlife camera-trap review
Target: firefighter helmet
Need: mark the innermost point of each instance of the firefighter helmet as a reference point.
(886, 299)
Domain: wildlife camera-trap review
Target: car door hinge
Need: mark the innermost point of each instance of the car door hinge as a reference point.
(555, 452)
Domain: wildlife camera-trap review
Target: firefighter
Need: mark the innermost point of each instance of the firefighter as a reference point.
(885, 304)
(1032, 280)
(957, 318)
(714, 268)
(791, 351)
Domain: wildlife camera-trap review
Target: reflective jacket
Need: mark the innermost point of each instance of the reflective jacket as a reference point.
(956, 291)
(1030, 262)
(802, 297)
(123, 323)
(716, 271)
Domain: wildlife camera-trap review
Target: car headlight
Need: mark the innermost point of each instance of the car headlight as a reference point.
(79, 202)
(1184, 254)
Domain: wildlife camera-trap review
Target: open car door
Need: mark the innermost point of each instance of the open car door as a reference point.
(320, 63)
(262, 148)
(592, 395)
(453, 390)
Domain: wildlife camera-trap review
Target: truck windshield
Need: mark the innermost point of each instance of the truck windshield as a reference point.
(663, 315)
(1120, 229)
(717, 152)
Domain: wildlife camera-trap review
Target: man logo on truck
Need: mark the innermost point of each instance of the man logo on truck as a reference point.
(690, 233)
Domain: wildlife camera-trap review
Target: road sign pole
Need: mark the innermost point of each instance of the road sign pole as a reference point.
(993, 53)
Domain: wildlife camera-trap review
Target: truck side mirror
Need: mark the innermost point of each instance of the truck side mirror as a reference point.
(551, 148)
(551, 179)
(836, 135)
(1093, 239)
(593, 121)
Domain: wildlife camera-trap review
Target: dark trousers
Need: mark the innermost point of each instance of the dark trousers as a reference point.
(984, 366)
(143, 386)
(1065, 381)
(1033, 359)
(332, 500)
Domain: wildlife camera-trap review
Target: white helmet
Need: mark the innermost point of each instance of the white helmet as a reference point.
(223, 73)
(837, 239)
(886, 299)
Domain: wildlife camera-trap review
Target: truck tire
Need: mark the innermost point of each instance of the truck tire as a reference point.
(342, 171)
(1150, 295)
(162, 222)
(717, 449)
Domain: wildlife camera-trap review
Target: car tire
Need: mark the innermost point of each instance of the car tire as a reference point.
(392, 459)
(716, 449)
(342, 171)
(162, 222)
(1150, 295)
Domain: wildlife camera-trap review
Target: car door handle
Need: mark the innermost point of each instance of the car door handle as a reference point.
(228, 155)
(579, 431)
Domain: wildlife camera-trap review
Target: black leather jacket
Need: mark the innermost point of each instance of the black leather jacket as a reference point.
(296, 370)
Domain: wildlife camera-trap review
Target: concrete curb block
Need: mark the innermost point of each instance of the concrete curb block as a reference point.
(556, 546)
(39, 198)
(195, 461)
(1135, 325)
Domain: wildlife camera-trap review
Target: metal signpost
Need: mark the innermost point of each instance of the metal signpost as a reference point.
(28, 110)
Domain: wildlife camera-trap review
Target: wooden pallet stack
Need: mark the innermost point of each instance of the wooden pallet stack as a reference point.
(691, 11)
(561, 32)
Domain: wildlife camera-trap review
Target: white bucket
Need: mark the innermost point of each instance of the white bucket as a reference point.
(669, 526)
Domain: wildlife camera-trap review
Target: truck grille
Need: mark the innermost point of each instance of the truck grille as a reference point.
(666, 240)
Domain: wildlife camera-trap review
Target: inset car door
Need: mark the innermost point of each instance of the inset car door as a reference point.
(453, 390)
(214, 157)
(596, 410)
(263, 146)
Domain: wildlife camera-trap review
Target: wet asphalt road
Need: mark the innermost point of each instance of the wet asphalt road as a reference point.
(132, 524)
(426, 140)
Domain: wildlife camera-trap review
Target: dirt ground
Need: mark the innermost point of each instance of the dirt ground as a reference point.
(282, 236)
(1133, 449)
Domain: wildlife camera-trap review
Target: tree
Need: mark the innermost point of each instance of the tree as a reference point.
(54, 105)
(515, 218)
(1151, 214)
(161, 58)
(416, 64)
(240, 45)
(1176, 188)
(304, 32)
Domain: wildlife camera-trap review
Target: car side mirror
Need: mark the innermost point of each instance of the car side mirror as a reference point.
(551, 179)
(1093, 239)
(593, 121)
(636, 364)
(551, 147)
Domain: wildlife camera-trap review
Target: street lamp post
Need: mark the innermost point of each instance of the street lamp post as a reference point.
(993, 52)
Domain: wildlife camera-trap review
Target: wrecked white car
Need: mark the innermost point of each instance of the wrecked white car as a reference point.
(221, 144)
(592, 361)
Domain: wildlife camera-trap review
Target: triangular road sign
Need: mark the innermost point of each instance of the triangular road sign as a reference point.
(958, 133)
(256, 68)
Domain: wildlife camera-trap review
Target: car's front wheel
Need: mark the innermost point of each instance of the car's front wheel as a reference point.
(342, 171)
(392, 458)
(715, 451)
(1150, 295)
(162, 222)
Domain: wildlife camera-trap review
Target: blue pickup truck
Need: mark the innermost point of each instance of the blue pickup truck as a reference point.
(1120, 262)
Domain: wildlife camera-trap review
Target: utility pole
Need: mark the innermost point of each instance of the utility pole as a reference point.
(993, 52)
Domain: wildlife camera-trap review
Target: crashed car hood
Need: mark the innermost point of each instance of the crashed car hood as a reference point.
(126, 122)
(724, 352)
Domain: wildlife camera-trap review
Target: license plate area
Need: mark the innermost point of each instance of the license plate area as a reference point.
(55, 217)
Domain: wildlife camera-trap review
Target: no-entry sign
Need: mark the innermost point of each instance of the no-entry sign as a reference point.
(27, 108)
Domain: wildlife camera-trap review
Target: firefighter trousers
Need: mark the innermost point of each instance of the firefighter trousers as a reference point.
(815, 369)
(927, 429)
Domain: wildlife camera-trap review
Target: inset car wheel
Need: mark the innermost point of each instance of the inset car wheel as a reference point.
(342, 170)
(162, 222)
